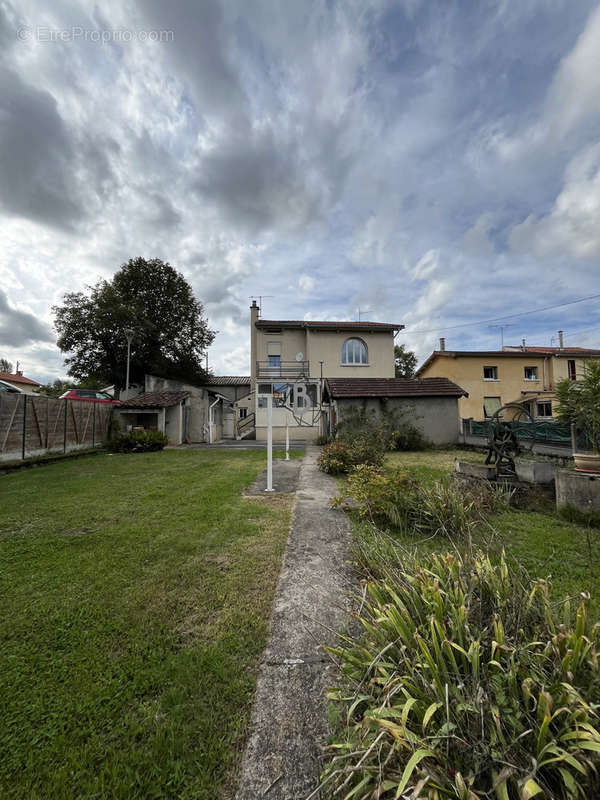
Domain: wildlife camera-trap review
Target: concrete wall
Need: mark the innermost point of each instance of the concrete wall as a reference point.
(174, 423)
(436, 417)
(197, 403)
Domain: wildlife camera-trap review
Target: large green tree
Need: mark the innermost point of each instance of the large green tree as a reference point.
(149, 297)
(405, 361)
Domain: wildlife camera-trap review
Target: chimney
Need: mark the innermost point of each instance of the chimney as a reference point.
(20, 372)
(442, 344)
(254, 312)
(561, 343)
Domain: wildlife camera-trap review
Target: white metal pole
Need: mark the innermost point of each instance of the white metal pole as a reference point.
(269, 443)
(287, 440)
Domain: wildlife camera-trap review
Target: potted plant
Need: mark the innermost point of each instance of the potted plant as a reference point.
(579, 404)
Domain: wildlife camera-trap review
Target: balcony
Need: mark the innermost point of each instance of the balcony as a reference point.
(286, 369)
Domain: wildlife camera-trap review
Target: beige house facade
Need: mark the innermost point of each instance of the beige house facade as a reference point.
(524, 375)
(290, 359)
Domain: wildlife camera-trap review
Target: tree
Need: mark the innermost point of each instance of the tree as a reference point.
(55, 388)
(405, 361)
(154, 300)
(5, 365)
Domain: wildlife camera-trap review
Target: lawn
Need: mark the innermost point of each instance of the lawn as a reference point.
(135, 597)
(546, 545)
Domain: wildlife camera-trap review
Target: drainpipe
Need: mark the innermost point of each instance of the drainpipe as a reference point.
(210, 420)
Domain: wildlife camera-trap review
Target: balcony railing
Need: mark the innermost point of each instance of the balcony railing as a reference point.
(286, 369)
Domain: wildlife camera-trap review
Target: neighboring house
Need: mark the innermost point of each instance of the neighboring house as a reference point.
(525, 375)
(430, 404)
(186, 412)
(19, 381)
(291, 359)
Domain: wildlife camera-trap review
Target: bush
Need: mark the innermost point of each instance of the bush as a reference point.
(341, 456)
(321, 440)
(466, 685)
(383, 495)
(138, 442)
(389, 428)
(406, 437)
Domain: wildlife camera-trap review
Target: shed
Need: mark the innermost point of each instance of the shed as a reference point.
(430, 403)
(164, 411)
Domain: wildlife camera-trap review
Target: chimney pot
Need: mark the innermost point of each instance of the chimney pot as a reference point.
(20, 372)
(561, 343)
(523, 342)
(442, 343)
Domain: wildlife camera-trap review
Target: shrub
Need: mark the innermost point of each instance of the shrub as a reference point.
(138, 442)
(341, 456)
(321, 440)
(406, 437)
(389, 428)
(466, 685)
(383, 495)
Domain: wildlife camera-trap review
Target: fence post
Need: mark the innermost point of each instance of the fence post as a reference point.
(66, 402)
(573, 439)
(94, 426)
(24, 426)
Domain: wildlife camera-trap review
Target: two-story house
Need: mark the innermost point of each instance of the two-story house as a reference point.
(291, 359)
(522, 374)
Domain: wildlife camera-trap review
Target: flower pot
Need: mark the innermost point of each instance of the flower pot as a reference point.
(587, 462)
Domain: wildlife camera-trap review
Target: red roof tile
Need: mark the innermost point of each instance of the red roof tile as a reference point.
(393, 387)
(155, 400)
(11, 378)
(333, 325)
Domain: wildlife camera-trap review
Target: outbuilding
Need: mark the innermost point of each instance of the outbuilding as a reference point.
(431, 404)
(163, 411)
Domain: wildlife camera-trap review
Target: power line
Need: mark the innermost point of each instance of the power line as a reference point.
(499, 319)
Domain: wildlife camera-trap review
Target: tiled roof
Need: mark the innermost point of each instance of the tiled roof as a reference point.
(555, 351)
(155, 400)
(228, 380)
(11, 378)
(513, 352)
(329, 325)
(393, 387)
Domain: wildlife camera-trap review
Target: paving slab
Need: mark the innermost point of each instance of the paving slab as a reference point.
(289, 723)
(285, 478)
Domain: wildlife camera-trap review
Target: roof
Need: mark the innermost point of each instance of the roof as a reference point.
(15, 378)
(155, 400)
(393, 387)
(228, 380)
(516, 352)
(330, 325)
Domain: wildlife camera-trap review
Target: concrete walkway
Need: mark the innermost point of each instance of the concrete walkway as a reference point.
(289, 720)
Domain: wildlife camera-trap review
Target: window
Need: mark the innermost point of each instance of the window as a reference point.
(283, 395)
(490, 373)
(354, 351)
(265, 388)
(531, 373)
(572, 369)
(274, 365)
(243, 413)
(544, 409)
(491, 405)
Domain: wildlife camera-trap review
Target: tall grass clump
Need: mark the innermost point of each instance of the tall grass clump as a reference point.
(467, 682)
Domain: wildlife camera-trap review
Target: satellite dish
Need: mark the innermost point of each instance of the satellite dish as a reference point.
(299, 356)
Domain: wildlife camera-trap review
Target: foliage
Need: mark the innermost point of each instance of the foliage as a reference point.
(341, 456)
(405, 362)
(156, 302)
(56, 388)
(579, 402)
(6, 365)
(138, 442)
(321, 440)
(390, 428)
(465, 684)
(136, 597)
(444, 507)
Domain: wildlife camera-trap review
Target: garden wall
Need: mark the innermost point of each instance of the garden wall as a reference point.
(33, 426)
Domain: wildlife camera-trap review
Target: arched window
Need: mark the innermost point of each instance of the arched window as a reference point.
(354, 351)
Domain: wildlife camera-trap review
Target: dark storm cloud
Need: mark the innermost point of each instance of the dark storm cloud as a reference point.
(18, 328)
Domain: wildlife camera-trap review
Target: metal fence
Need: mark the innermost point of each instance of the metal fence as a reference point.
(549, 432)
(33, 426)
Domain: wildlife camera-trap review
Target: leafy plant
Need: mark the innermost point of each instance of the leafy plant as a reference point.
(406, 437)
(579, 403)
(465, 684)
(321, 440)
(138, 442)
(342, 456)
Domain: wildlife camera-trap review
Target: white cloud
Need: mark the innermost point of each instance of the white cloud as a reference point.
(306, 284)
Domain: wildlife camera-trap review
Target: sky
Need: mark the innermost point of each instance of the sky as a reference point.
(432, 164)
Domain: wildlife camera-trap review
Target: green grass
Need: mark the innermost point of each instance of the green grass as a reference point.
(135, 595)
(541, 541)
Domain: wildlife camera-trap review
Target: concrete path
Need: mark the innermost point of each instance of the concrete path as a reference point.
(289, 720)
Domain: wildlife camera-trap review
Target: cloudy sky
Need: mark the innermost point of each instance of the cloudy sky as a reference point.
(429, 163)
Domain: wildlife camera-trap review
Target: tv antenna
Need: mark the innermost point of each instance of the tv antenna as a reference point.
(501, 329)
(363, 311)
(260, 298)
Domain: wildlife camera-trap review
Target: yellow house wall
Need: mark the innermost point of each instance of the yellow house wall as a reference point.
(326, 346)
(467, 372)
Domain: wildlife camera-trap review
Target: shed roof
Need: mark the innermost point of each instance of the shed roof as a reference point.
(328, 325)
(228, 380)
(393, 387)
(155, 400)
